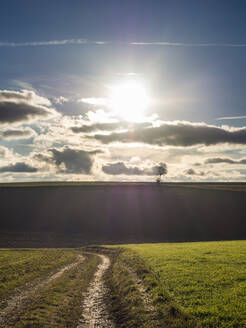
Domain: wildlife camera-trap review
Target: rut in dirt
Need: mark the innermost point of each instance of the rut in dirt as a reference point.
(21, 299)
(95, 313)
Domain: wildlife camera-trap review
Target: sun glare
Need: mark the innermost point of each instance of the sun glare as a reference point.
(129, 101)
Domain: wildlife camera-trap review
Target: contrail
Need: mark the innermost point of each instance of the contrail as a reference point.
(230, 118)
(180, 44)
(85, 41)
(43, 43)
(50, 43)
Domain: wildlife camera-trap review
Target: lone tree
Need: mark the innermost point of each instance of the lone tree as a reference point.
(161, 170)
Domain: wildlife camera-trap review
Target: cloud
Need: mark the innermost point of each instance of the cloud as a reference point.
(193, 172)
(218, 160)
(23, 106)
(18, 167)
(184, 134)
(73, 160)
(28, 96)
(94, 101)
(60, 100)
(120, 168)
(86, 128)
(23, 133)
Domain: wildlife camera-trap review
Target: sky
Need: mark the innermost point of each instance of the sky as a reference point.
(109, 90)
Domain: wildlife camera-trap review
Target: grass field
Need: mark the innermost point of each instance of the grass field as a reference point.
(192, 285)
(43, 287)
(17, 267)
(59, 303)
(208, 279)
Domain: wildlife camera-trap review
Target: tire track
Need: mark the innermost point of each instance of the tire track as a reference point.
(21, 299)
(95, 312)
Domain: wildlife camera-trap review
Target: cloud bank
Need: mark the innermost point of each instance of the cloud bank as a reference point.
(184, 134)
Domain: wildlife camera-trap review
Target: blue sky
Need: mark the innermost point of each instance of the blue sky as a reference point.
(189, 55)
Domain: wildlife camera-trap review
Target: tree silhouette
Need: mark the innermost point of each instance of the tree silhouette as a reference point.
(161, 170)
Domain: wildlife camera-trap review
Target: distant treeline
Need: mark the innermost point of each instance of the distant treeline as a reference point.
(76, 215)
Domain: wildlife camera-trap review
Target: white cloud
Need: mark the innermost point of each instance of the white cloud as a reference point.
(94, 101)
(60, 100)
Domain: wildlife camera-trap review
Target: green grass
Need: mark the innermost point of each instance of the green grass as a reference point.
(207, 279)
(191, 284)
(55, 304)
(126, 302)
(18, 267)
(59, 303)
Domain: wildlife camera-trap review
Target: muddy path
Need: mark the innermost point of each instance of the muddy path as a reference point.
(95, 312)
(23, 298)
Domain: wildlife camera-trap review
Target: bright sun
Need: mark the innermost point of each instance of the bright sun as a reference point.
(129, 101)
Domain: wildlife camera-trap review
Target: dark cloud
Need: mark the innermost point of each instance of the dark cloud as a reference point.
(22, 106)
(183, 134)
(109, 127)
(218, 160)
(74, 160)
(120, 168)
(17, 133)
(11, 112)
(193, 172)
(18, 167)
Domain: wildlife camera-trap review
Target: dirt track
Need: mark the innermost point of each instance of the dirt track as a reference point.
(95, 313)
